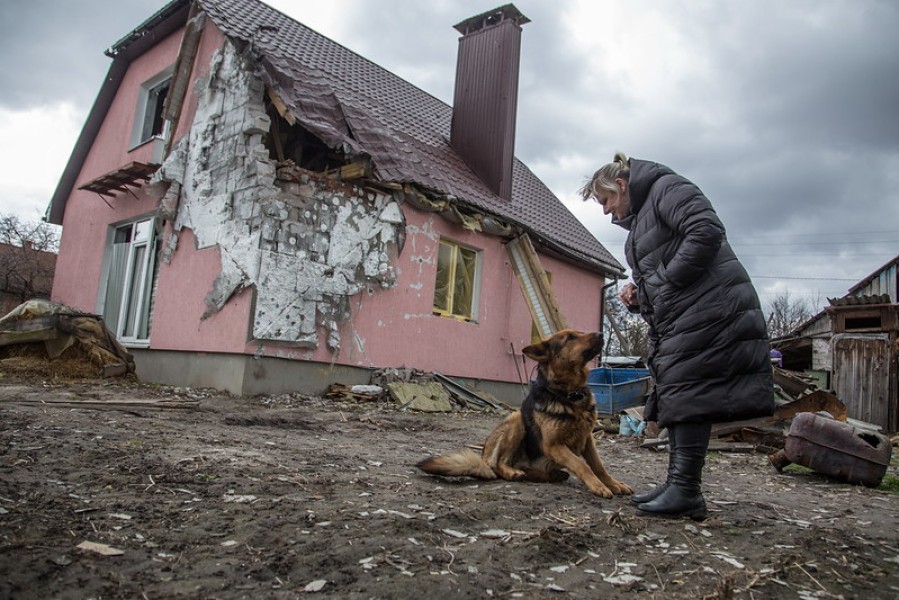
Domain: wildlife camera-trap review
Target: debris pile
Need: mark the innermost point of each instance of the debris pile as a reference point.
(44, 339)
(412, 389)
(795, 395)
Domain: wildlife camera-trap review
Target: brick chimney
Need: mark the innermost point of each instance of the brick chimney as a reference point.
(486, 96)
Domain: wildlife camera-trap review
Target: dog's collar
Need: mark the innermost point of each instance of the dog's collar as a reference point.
(579, 394)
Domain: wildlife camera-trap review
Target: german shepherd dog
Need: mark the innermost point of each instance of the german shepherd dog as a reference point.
(552, 431)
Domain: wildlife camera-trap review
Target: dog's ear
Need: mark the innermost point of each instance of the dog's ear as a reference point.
(538, 352)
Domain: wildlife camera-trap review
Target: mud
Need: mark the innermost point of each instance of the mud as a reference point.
(196, 494)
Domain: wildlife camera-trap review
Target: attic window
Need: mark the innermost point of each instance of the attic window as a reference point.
(148, 119)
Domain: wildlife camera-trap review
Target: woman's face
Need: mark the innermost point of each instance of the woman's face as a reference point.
(618, 203)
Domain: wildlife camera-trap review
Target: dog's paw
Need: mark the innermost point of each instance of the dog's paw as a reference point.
(600, 490)
(517, 475)
(621, 489)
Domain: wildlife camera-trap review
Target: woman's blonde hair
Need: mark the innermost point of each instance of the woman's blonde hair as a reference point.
(604, 178)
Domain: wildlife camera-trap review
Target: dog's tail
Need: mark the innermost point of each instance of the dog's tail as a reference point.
(462, 463)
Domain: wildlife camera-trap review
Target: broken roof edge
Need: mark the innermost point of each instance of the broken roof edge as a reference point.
(346, 144)
(440, 202)
(175, 16)
(580, 259)
(552, 247)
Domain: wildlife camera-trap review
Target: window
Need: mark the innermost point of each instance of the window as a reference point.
(129, 285)
(457, 275)
(148, 121)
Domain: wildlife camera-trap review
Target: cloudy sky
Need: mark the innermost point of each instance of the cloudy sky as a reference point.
(786, 114)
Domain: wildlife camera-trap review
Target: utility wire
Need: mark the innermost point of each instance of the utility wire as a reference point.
(803, 278)
(838, 243)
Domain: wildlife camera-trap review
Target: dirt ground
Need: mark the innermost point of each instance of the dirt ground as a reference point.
(194, 494)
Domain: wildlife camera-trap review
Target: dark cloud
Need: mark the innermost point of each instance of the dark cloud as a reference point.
(54, 50)
(784, 113)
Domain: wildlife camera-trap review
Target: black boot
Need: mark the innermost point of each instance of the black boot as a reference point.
(654, 493)
(683, 497)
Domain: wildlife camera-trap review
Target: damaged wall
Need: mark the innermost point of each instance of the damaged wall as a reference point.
(245, 226)
(305, 245)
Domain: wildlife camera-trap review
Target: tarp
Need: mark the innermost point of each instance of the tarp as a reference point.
(53, 339)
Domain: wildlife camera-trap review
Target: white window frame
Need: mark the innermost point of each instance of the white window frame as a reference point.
(129, 282)
(146, 107)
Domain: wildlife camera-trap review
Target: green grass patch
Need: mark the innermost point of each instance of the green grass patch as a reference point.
(794, 468)
(890, 484)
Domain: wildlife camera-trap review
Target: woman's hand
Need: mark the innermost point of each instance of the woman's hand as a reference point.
(628, 296)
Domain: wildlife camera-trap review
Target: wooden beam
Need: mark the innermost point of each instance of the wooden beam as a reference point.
(535, 286)
(184, 65)
(280, 106)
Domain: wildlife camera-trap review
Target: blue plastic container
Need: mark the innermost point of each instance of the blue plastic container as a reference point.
(618, 389)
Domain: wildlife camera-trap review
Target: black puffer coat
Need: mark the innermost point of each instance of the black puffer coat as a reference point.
(709, 343)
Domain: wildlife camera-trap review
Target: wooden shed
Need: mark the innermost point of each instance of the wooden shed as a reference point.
(865, 353)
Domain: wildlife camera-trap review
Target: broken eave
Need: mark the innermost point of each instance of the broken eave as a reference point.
(131, 175)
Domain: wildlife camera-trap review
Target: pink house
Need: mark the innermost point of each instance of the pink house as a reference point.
(255, 208)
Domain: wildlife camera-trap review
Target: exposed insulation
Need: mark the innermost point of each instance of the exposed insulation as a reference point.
(305, 245)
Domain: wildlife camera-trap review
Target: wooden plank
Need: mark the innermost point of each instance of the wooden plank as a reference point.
(527, 290)
(535, 286)
(110, 405)
(184, 65)
(544, 285)
(280, 106)
(8, 338)
(720, 429)
(817, 401)
(354, 170)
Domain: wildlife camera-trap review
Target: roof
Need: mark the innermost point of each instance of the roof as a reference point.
(354, 105)
(891, 263)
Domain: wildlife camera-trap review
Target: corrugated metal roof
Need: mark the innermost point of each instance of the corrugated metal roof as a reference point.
(353, 104)
(883, 280)
(862, 300)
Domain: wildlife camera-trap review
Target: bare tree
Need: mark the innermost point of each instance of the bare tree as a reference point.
(786, 314)
(27, 259)
(626, 334)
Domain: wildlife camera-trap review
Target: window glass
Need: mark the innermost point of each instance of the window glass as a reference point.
(153, 121)
(455, 287)
(149, 115)
(142, 231)
(130, 278)
(444, 277)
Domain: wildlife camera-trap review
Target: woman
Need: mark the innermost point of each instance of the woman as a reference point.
(708, 340)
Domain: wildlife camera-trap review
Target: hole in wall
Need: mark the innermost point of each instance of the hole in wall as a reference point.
(287, 142)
